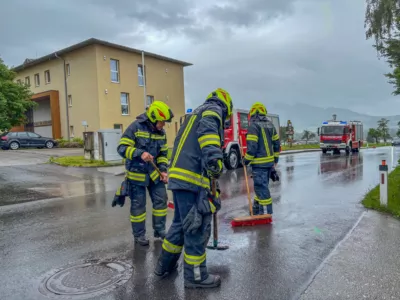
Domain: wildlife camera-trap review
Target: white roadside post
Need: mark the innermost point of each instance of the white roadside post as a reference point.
(383, 187)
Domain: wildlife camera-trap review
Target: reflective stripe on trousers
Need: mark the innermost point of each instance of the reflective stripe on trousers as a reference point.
(195, 268)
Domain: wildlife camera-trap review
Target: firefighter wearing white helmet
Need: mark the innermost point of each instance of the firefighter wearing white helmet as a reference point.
(144, 141)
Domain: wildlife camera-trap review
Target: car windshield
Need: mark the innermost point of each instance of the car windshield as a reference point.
(332, 130)
(3, 134)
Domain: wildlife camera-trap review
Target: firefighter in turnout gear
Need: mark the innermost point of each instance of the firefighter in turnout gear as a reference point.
(196, 161)
(262, 153)
(144, 141)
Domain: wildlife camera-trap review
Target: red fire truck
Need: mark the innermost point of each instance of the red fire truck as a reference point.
(341, 135)
(238, 125)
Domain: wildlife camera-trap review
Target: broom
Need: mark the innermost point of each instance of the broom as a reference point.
(249, 220)
(170, 203)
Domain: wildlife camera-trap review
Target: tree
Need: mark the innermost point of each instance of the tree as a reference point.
(15, 99)
(282, 133)
(308, 135)
(398, 130)
(383, 129)
(382, 22)
(373, 135)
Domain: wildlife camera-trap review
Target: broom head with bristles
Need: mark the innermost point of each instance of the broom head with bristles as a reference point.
(252, 220)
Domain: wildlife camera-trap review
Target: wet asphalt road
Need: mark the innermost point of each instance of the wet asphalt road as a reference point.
(315, 205)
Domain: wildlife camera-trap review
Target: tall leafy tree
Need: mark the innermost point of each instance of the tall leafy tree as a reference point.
(382, 23)
(398, 130)
(373, 135)
(383, 128)
(15, 99)
(308, 135)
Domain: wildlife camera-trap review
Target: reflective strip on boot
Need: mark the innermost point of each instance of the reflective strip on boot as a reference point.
(160, 212)
(171, 248)
(139, 218)
(263, 201)
(195, 261)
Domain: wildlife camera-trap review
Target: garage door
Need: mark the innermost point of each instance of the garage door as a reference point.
(45, 131)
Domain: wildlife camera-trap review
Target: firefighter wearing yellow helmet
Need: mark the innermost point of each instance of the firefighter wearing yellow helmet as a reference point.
(196, 160)
(263, 154)
(142, 142)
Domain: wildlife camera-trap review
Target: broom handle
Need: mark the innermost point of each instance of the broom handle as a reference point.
(155, 167)
(215, 224)
(245, 176)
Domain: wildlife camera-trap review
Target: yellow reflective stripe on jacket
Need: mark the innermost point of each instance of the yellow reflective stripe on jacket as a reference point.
(263, 201)
(162, 159)
(139, 218)
(276, 154)
(157, 137)
(127, 142)
(249, 157)
(129, 152)
(136, 176)
(211, 113)
(189, 176)
(143, 134)
(209, 139)
(266, 142)
(154, 175)
(275, 137)
(160, 212)
(263, 160)
(171, 248)
(252, 137)
(212, 206)
(164, 148)
(183, 138)
(194, 259)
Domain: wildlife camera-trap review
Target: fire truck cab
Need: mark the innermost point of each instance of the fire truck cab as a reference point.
(234, 128)
(341, 135)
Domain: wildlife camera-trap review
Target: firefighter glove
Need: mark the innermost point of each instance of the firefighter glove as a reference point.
(215, 168)
(121, 193)
(193, 221)
(274, 175)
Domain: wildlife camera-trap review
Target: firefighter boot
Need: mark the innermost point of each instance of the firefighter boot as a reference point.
(212, 281)
(162, 271)
(142, 240)
(256, 208)
(159, 234)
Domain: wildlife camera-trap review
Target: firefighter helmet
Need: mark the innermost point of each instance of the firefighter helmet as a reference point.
(225, 98)
(259, 108)
(159, 111)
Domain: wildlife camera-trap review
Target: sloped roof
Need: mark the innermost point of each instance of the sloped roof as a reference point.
(32, 62)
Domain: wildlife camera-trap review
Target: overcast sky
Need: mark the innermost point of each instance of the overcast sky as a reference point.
(307, 51)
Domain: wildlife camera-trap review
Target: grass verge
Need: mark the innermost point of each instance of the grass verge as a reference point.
(371, 199)
(77, 161)
(300, 147)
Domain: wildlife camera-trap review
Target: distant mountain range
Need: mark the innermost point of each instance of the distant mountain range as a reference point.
(304, 116)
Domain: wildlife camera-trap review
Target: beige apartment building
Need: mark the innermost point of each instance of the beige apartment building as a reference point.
(99, 85)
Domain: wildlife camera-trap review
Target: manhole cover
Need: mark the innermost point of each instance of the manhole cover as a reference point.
(87, 279)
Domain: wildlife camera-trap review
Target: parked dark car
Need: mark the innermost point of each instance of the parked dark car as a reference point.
(396, 142)
(16, 140)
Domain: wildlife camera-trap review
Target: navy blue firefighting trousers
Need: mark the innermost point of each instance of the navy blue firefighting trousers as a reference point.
(263, 198)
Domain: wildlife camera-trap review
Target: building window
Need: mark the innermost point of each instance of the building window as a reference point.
(69, 100)
(47, 76)
(71, 131)
(150, 100)
(125, 104)
(68, 69)
(19, 81)
(28, 81)
(37, 80)
(114, 66)
(118, 126)
(141, 77)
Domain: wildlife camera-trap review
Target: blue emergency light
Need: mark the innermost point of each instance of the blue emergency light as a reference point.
(324, 122)
(343, 122)
(189, 110)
